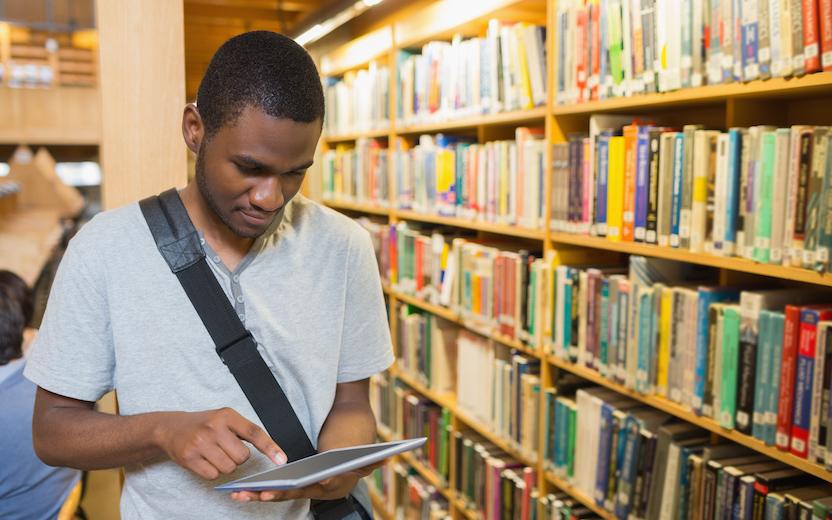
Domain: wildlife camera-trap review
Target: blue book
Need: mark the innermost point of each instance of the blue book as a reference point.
(629, 465)
(602, 158)
(568, 299)
(622, 330)
(762, 386)
(750, 46)
(802, 415)
(645, 339)
(707, 296)
(603, 460)
(561, 430)
(676, 201)
(621, 444)
(642, 182)
(732, 190)
(684, 478)
(777, 322)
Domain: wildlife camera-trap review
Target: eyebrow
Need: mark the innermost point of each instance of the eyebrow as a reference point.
(254, 163)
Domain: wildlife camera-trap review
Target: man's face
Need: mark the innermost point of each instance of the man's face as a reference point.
(250, 169)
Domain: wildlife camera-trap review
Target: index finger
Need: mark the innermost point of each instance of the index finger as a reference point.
(248, 431)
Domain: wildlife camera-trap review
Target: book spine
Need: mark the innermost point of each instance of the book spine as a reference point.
(730, 358)
(798, 58)
(732, 189)
(629, 188)
(762, 385)
(651, 234)
(702, 350)
(642, 183)
(750, 39)
(811, 37)
(676, 197)
(801, 421)
(763, 197)
(747, 368)
(615, 196)
(602, 158)
(825, 15)
(764, 32)
(687, 188)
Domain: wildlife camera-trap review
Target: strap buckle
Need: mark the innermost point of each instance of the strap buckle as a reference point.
(221, 349)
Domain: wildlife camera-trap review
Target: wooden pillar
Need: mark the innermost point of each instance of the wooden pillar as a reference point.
(142, 75)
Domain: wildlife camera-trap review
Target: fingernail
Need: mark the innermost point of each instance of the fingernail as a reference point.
(280, 458)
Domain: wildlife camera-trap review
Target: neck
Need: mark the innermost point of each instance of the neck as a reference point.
(206, 220)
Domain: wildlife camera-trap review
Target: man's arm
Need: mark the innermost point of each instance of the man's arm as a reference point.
(350, 423)
(69, 432)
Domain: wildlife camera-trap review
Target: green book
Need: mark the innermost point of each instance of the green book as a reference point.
(763, 197)
(570, 451)
(444, 440)
(430, 323)
(730, 361)
(615, 41)
(531, 303)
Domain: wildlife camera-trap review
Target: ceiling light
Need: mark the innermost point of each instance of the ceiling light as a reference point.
(320, 30)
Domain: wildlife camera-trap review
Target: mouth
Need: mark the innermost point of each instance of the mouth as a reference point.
(257, 219)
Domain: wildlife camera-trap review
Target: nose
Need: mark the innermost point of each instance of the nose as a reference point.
(267, 195)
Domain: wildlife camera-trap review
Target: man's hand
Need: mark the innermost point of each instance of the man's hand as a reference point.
(333, 488)
(209, 443)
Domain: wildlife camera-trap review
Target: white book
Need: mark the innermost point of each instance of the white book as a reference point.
(785, 66)
(627, 51)
(633, 331)
(697, 28)
(671, 483)
(792, 187)
(720, 202)
(701, 163)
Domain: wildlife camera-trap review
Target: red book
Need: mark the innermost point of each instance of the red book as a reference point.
(791, 337)
(529, 480)
(581, 62)
(825, 15)
(811, 38)
(417, 259)
(595, 78)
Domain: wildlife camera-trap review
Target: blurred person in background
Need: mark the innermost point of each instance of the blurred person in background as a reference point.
(29, 489)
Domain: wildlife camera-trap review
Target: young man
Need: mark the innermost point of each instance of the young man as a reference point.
(302, 278)
(29, 489)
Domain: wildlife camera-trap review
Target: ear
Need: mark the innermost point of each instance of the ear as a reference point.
(193, 131)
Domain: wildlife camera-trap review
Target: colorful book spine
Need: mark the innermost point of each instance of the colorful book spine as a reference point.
(730, 361)
(802, 414)
(615, 194)
(676, 200)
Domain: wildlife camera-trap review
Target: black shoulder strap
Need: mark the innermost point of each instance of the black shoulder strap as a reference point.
(179, 244)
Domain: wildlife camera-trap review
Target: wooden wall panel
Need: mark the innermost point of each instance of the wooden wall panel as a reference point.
(142, 71)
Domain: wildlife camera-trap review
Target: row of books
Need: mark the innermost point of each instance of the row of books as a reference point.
(446, 359)
(407, 414)
(638, 463)
(453, 176)
(758, 192)
(614, 48)
(359, 101)
(503, 71)
(357, 173)
(753, 360)
(409, 495)
(491, 482)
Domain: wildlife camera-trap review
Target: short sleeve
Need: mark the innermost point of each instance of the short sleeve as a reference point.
(366, 348)
(73, 353)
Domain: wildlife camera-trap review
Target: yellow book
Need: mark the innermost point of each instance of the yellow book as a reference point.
(663, 362)
(444, 173)
(502, 151)
(523, 66)
(615, 189)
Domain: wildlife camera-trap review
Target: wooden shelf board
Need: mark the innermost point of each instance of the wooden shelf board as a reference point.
(379, 505)
(487, 227)
(442, 19)
(810, 84)
(508, 118)
(462, 415)
(353, 206)
(452, 316)
(681, 255)
(579, 495)
(706, 423)
(358, 53)
(354, 136)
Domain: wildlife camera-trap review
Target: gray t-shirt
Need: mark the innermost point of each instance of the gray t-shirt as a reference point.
(117, 318)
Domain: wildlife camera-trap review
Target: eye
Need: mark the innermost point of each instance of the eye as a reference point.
(247, 169)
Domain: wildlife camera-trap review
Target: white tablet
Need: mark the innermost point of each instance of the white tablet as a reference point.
(316, 468)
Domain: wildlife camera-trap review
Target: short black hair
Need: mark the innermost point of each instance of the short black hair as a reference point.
(16, 309)
(262, 69)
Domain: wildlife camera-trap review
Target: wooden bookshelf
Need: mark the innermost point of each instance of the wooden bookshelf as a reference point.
(345, 138)
(356, 207)
(796, 274)
(452, 316)
(379, 506)
(579, 495)
(535, 116)
(732, 104)
(706, 423)
(777, 88)
(485, 227)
